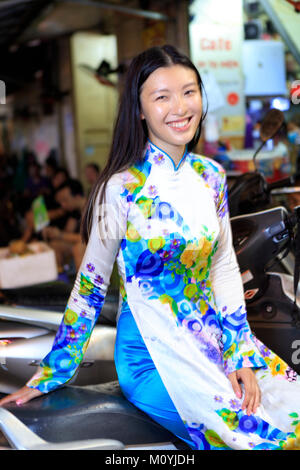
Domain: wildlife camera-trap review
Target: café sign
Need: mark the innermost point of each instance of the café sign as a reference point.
(216, 38)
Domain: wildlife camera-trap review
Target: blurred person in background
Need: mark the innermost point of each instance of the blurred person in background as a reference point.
(293, 133)
(57, 215)
(50, 165)
(9, 229)
(28, 182)
(67, 242)
(293, 142)
(92, 173)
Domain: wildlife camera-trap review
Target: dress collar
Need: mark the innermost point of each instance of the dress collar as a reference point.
(161, 159)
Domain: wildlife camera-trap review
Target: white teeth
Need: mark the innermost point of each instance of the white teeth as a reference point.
(178, 124)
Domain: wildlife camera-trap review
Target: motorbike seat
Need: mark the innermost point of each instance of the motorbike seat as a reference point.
(54, 296)
(89, 412)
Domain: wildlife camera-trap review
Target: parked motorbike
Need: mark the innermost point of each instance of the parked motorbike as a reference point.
(99, 416)
(93, 409)
(101, 411)
(250, 192)
(28, 327)
(259, 237)
(272, 298)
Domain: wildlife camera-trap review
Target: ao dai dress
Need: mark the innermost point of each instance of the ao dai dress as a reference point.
(182, 323)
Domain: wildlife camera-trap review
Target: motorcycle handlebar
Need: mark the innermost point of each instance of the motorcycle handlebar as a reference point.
(290, 181)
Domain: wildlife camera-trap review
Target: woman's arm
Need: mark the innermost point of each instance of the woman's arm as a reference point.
(240, 354)
(239, 348)
(87, 296)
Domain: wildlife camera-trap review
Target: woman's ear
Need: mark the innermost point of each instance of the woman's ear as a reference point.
(142, 116)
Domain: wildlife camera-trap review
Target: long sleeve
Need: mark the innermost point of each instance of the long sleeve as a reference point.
(87, 296)
(239, 349)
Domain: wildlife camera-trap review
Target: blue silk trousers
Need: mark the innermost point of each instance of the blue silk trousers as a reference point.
(139, 380)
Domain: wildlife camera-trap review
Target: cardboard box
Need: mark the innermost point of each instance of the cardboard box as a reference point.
(20, 271)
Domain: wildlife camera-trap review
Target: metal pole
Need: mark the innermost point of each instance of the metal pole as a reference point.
(281, 29)
(153, 15)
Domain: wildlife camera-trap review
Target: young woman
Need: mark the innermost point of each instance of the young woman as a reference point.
(184, 351)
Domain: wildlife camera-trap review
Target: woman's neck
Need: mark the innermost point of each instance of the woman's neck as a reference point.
(175, 152)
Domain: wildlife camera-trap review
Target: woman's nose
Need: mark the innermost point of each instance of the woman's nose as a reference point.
(179, 106)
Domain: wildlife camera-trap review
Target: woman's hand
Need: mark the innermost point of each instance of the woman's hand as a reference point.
(21, 396)
(252, 392)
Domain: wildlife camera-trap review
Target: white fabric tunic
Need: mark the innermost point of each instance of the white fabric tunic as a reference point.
(170, 230)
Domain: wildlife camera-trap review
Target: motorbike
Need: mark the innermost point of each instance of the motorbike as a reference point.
(262, 231)
(77, 416)
(83, 418)
(272, 297)
(250, 191)
(29, 320)
(72, 415)
(92, 412)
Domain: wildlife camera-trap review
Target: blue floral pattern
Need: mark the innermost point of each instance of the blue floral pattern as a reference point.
(178, 265)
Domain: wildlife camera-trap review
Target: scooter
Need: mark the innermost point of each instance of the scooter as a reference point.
(27, 334)
(250, 192)
(90, 417)
(259, 237)
(73, 413)
(272, 298)
(93, 409)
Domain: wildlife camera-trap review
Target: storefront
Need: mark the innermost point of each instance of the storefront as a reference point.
(247, 55)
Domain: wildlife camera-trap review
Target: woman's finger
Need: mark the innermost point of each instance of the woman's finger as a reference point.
(235, 385)
(249, 395)
(257, 399)
(9, 398)
(252, 398)
(250, 406)
(21, 396)
(6, 400)
(246, 399)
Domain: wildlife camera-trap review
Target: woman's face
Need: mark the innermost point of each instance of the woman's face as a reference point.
(171, 104)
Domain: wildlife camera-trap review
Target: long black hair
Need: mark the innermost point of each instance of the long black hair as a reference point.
(130, 132)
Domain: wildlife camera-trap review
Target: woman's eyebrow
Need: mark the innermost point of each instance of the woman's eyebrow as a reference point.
(160, 90)
(189, 84)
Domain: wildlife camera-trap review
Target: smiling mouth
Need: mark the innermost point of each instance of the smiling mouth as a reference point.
(180, 124)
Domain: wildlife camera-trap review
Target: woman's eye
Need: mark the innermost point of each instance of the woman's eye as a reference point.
(160, 98)
(189, 92)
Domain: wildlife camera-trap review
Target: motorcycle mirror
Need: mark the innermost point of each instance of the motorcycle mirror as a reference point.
(271, 124)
